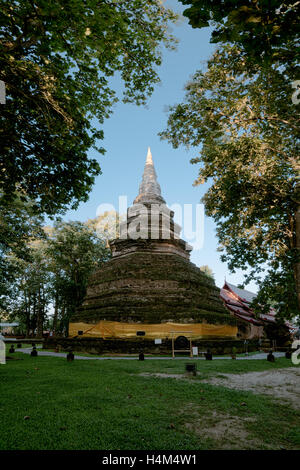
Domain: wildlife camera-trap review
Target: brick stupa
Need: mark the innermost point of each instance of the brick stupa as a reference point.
(150, 279)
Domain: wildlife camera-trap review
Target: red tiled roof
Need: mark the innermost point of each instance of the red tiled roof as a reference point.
(238, 300)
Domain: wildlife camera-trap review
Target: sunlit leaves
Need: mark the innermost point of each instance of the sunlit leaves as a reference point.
(267, 32)
(246, 134)
(56, 59)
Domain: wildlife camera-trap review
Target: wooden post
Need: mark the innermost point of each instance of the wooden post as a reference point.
(182, 350)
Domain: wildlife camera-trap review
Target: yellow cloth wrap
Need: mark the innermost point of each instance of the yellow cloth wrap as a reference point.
(113, 329)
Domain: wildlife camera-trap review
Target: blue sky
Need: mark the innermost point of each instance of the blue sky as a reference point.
(131, 129)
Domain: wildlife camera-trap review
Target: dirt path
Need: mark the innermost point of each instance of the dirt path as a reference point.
(281, 383)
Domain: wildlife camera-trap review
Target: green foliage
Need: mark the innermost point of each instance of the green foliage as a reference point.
(75, 252)
(53, 276)
(246, 131)
(19, 224)
(277, 331)
(29, 294)
(265, 31)
(106, 225)
(56, 59)
(207, 271)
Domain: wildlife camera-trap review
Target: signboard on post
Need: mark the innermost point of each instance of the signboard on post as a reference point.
(195, 350)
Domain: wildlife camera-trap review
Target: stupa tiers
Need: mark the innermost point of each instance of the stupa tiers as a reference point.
(150, 285)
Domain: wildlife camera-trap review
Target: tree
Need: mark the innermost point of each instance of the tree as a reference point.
(265, 31)
(207, 271)
(247, 133)
(29, 296)
(277, 331)
(53, 278)
(75, 252)
(56, 59)
(19, 225)
(106, 225)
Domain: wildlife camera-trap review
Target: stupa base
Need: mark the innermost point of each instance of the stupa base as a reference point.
(134, 346)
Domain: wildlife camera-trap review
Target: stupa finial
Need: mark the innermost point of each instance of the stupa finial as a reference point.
(149, 188)
(149, 160)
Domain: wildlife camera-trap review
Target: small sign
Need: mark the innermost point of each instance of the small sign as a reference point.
(195, 350)
(157, 341)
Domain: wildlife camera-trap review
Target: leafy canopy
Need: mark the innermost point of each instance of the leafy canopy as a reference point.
(247, 136)
(53, 277)
(75, 251)
(266, 31)
(56, 59)
(19, 224)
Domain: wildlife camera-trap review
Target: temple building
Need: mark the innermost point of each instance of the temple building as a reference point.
(150, 287)
(238, 302)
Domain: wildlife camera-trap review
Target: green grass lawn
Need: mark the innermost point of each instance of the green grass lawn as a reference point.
(110, 405)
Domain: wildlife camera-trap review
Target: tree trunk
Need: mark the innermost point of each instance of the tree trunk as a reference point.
(33, 319)
(55, 315)
(40, 315)
(27, 312)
